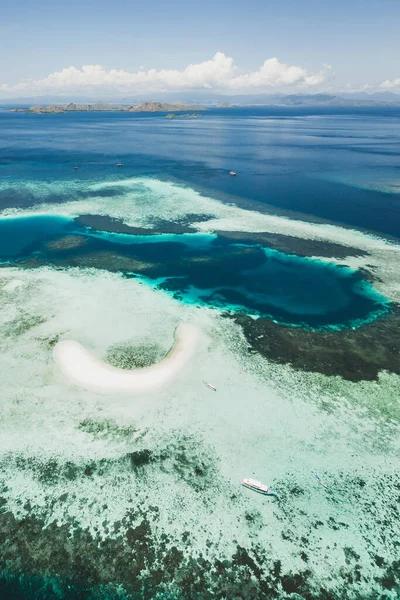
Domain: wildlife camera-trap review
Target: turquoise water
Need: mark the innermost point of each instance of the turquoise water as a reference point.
(205, 269)
(34, 587)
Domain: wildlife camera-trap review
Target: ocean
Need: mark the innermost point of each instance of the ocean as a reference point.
(332, 164)
(289, 271)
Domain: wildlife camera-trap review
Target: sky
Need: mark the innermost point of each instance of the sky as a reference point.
(258, 46)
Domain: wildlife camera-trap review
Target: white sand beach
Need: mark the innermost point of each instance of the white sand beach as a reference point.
(87, 371)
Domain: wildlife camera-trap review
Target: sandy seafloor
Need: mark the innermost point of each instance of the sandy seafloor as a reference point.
(159, 474)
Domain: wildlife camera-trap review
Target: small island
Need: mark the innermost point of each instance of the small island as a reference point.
(144, 107)
(185, 116)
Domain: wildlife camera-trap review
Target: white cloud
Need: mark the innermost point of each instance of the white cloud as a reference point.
(274, 74)
(393, 85)
(218, 73)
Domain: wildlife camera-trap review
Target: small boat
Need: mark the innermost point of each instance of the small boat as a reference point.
(259, 487)
(120, 165)
(233, 173)
(76, 168)
(318, 478)
(214, 389)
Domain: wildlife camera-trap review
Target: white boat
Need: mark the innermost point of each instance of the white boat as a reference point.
(259, 487)
(318, 478)
(233, 173)
(214, 389)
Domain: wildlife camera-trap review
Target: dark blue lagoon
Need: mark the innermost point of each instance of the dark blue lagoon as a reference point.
(204, 269)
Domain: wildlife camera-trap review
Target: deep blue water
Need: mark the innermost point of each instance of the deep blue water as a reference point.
(316, 162)
(203, 269)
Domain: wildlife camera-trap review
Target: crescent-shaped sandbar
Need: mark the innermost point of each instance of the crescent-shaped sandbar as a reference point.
(90, 373)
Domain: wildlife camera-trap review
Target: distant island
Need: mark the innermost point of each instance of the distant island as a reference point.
(71, 107)
(228, 103)
(185, 116)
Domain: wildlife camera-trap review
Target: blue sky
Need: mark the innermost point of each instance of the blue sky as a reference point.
(359, 39)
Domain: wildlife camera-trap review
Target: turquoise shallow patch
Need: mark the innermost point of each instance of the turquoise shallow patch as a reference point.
(18, 234)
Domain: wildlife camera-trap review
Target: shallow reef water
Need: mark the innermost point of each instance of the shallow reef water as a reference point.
(203, 269)
(142, 493)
